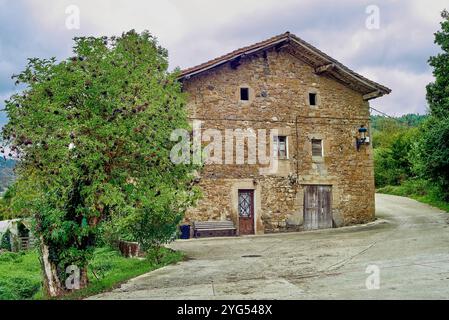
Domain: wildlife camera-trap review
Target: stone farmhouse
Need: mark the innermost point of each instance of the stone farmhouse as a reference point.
(319, 111)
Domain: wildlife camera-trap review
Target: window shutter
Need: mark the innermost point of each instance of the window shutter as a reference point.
(280, 146)
(317, 148)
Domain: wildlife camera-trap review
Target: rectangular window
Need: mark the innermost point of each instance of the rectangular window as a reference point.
(244, 94)
(280, 146)
(312, 99)
(317, 148)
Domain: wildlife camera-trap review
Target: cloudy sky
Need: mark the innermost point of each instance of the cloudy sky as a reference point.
(394, 54)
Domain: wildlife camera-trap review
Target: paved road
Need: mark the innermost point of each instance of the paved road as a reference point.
(408, 246)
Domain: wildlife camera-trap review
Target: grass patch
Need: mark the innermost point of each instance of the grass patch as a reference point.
(108, 269)
(420, 190)
(20, 274)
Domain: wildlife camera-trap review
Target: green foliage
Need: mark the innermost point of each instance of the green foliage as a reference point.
(18, 288)
(392, 143)
(153, 226)
(378, 122)
(412, 120)
(108, 269)
(411, 187)
(11, 257)
(437, 92)
(384, 171)
(93, 136)
(20, 273)
(7, 204)
(431, 152)
(386, 130)
(415, 162)
(418, 189)
(5, 242)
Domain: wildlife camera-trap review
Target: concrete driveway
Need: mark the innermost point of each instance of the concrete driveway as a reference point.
(408, 248)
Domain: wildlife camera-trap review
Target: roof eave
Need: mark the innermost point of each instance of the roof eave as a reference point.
(187, 74)
(334, 64)
(378, 90)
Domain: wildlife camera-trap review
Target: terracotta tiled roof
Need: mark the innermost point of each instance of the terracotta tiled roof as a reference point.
(320, 57)
(258, 45)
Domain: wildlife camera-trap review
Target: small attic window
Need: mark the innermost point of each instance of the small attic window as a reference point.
(244, 94)
(312, 99)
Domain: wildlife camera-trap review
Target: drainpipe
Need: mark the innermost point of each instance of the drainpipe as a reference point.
(297, 161)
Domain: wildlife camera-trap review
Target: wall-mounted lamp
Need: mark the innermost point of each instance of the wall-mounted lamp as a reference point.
(362, 138)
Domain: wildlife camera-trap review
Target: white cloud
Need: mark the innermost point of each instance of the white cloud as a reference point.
(409, 90)
(197, 30)
(428, 11)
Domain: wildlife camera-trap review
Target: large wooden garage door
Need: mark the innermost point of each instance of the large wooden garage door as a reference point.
(317, 207)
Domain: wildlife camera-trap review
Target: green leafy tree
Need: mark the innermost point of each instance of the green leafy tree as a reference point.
(431, 152)
(412, 120)
(93, 137)
(386, 131)
(437, 91)
(392, 164)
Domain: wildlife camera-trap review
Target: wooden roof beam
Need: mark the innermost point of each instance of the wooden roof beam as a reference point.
(372, 95)
(324, 68)
(280, 45)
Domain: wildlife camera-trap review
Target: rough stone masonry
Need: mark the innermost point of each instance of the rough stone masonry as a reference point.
(306, 96)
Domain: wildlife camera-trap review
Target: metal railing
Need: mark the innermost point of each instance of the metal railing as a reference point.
(26, 243)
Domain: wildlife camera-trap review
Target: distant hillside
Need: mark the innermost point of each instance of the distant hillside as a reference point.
(6, 173)
(410, 120)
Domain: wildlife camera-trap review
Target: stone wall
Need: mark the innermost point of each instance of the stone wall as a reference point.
(279, 86)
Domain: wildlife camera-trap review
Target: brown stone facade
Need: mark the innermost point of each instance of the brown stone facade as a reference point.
(279, 85)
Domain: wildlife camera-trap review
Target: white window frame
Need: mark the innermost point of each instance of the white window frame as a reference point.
(276, 146)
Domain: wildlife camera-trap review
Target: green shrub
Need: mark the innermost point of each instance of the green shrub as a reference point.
(103, 262)
(412, 187)
(430, 154)
(18, 288)
(20, 274)
(421, 190)
(5, 242)
(392, 163)
(10, 257)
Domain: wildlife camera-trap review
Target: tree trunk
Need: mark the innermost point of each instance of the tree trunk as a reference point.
(84, 280)
(53, 285)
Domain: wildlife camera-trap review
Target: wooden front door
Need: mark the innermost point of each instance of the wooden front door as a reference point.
(246, 212)
(317, 207)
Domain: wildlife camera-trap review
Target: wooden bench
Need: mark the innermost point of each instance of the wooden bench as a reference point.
(213, 229)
